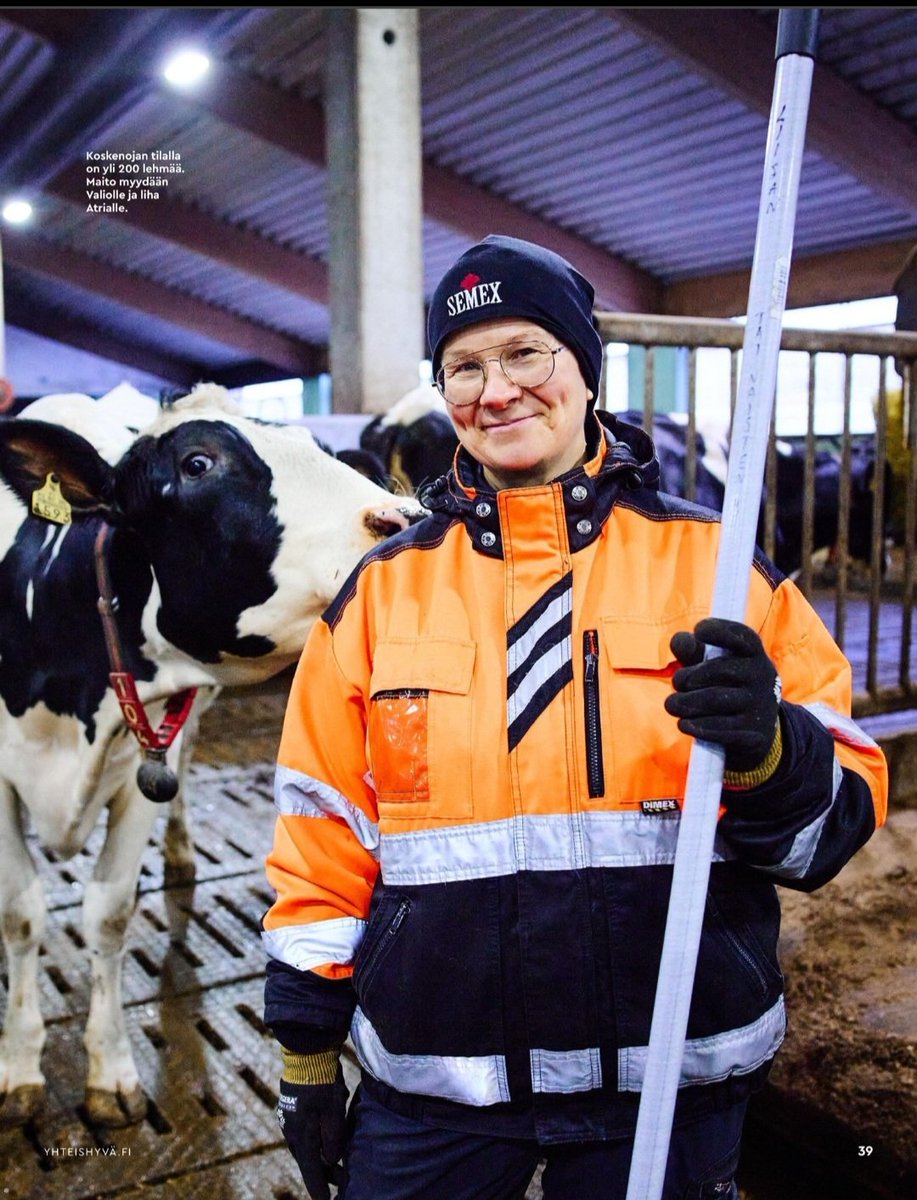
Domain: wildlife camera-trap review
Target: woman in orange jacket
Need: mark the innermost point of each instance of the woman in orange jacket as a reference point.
(479, 784)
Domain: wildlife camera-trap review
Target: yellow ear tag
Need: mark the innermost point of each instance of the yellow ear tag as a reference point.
(48, 502)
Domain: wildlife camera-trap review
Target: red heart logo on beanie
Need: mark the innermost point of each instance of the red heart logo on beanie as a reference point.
(469, 281)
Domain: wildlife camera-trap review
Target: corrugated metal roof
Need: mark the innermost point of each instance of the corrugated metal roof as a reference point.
(23, 62)
(229, 173)
(571, 115)
(875, 48)
(283, 45)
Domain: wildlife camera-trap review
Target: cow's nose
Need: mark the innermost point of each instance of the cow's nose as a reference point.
(383, 522)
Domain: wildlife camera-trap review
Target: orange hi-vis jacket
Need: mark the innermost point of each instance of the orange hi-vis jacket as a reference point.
(479, 791)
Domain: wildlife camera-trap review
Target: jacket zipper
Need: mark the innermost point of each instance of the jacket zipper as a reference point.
(368, 968)
(595, 768)
(399, 693)
(754, 970)
(745, 955)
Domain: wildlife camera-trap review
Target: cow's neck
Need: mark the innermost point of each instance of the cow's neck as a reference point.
(51, 639)
(205, 585)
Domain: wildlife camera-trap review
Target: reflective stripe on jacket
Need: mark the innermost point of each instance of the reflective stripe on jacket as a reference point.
(478, 791)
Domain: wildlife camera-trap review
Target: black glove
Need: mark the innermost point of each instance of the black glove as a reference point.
(311, 1111)
(732, 699)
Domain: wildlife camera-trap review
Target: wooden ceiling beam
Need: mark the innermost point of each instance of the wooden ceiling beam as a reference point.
(277, 117)
(184, 225)
(58, 327)
(133, 291)
(475, 212)
(814, 279)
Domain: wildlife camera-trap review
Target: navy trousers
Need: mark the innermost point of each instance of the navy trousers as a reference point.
(393, 1157)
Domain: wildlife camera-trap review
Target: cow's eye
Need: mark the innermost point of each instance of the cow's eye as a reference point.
(197, 464)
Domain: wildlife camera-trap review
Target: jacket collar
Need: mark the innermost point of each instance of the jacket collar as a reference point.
(622, 458)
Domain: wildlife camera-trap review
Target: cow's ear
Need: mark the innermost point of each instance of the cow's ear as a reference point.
(31, 451)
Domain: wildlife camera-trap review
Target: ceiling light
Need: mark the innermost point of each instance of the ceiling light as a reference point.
(17, 212)
(186, 68)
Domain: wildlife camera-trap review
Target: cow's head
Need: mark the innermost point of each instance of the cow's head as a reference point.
(250, 527)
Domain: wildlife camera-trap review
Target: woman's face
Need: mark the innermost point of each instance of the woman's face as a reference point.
(521, 436)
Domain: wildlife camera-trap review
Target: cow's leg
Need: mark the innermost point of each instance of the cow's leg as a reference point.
(22, 911)
(178, 847)
(113, 1093)
(178, 865)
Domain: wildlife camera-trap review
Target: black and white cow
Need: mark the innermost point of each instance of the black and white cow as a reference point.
(790, 491)
(670, 434)
(229, 537)
(414, 439)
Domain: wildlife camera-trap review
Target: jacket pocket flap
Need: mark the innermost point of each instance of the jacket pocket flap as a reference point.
(639, 645)
(433, 664)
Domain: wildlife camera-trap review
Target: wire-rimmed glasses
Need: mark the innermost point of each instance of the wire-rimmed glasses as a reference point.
(527, 364)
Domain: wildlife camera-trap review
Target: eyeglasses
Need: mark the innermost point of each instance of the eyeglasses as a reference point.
(527, 364)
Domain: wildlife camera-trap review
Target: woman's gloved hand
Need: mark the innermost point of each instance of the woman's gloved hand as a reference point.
(731, 699)
(311, 1111)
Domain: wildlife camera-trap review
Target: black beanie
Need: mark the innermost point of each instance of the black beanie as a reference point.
(506, 277)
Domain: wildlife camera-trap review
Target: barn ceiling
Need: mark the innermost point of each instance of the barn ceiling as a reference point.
(630, 139)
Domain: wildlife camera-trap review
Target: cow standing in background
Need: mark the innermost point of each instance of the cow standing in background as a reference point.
(670, 437)
(790, 494)
(414, 439)
(224, 548)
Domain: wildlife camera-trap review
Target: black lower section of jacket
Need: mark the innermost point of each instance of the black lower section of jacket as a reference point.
(554, 960)
(597, 1117)
(569, 959)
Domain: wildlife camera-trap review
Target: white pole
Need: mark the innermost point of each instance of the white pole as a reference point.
(748, 447)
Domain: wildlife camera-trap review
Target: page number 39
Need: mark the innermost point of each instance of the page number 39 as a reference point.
(864, 1151)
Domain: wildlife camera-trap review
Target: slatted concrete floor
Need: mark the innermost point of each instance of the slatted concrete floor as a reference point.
(193, 980)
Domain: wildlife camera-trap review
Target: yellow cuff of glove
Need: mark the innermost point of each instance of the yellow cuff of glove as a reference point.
(318, 1068)
(743, 781)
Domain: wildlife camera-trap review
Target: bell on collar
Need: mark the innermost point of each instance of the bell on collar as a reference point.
(156, 780)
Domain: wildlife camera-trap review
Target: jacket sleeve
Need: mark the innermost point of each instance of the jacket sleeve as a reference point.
(830, 792)
(324, 860)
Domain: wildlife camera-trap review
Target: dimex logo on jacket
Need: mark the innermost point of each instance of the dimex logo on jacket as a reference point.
(473, 294)
(656, 807)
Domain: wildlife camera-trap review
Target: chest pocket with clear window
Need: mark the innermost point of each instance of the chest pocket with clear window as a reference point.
(420, 727)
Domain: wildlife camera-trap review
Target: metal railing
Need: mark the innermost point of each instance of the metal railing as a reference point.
(869, 611)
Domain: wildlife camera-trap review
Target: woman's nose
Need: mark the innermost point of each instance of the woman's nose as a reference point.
(499, 390)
